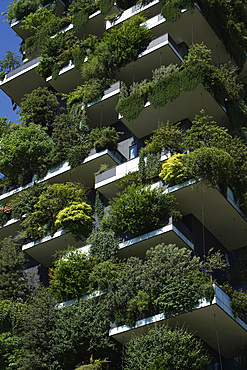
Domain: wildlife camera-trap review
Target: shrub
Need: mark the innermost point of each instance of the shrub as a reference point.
(173, 170)
(137, 208)
(24, 202)
(39, 107)
(69, 278)
(104, 138)
(51, 201)
(25, 151)
(213, 164)
(165, 348)
(103, 244)
(166, 137)
(75, 219)
(179, 287)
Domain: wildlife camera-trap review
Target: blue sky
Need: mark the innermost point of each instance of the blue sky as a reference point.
(8, 41)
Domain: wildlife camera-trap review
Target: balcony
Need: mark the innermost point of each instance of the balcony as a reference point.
(102, 112)
(106, 182)
(96, 23)
(190, 28)
(185, 106)
(10, 228)
(150, 9)
(161, 51)
(220, 215)
(208, 321)
(68, 79)
(24, 34)
(63, 173)
(174, 232)
(43, 250)
(22, 80)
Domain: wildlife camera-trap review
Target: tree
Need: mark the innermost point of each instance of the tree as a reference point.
(13, 283)
(38, 332)
(50, 202)
(138, 207)
(164, 348)
(69, 278)
(25, 151)
(10, 62)
(39, 107)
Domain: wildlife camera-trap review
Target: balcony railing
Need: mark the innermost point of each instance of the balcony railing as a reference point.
(212, 322)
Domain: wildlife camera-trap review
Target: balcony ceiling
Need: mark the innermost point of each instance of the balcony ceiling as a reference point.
(206, 323)
(186, 106)
(213, 210)
(138, 246)
(24, 81)
(43, 251)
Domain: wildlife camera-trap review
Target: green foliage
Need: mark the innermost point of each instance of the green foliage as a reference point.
(76, 219)
(51, 201)
(89, 91)
(238, 300)
(205, 132)
(82, 331)
(103, 275)
(165, 348)
(227, 18)
(10, 62)
(21, 8)
(173, 171)
(166, 137)
(127, 180)
(70, 137)
(39, 107)
(179, 288)
(214, 261)
(165, 90)
(13, 284)
(42, 24)
(104, 138)
(98, 207)
(105, 5)
(116, 49)
(213, 164)
(132, 104)
(103, 244)
(57, 54)
(37, 333)
(25, 200)
(25, 151)
(137, 208)
(169, 82)
(5, 126)
(153, 166)
(79, 12)
(69, 278)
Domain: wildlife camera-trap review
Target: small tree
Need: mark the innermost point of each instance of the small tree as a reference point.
(25, 151)
(139, 207)
(10, 62)
(76, 218)
(39, 107)
(13, 282)
(164, 348)
(70, 274)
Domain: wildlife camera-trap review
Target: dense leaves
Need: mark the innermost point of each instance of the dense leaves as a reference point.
(13, 282)
(25, 151)
(137, 208)
(165, 348)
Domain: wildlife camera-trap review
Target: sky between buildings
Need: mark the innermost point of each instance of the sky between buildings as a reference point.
(8, 41)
